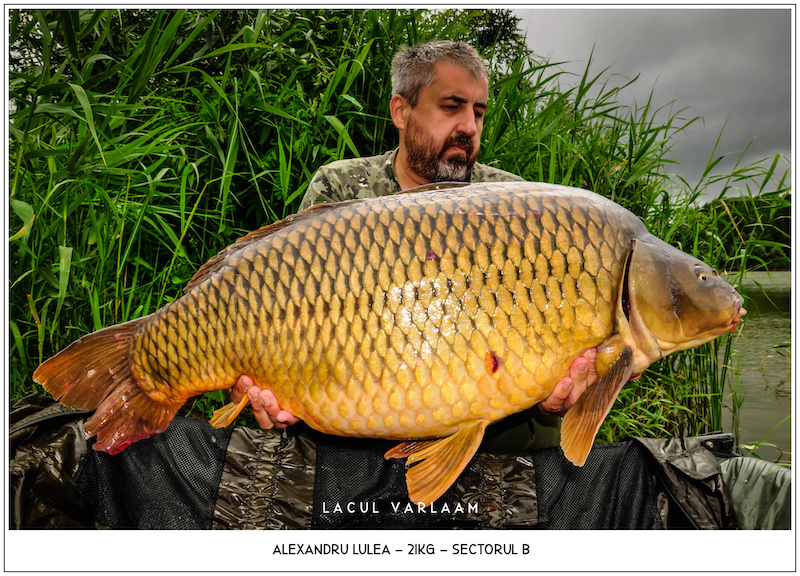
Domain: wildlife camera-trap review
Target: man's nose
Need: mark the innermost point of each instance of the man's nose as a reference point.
(467, 123)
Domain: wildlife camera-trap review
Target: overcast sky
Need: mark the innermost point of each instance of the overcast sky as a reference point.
(724, 64)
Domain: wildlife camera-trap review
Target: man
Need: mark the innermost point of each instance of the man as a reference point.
(440, 93)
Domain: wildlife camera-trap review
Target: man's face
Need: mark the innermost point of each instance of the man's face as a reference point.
(443, 131)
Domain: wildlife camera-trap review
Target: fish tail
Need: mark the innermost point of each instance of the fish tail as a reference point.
(94, 373)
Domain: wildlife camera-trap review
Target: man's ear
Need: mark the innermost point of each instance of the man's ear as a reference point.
(397, 107)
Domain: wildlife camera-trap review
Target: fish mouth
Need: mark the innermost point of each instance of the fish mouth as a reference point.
(738, 313)
(734, 319)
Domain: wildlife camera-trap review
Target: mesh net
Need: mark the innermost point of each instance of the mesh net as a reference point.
(615, 489)
(169, 481)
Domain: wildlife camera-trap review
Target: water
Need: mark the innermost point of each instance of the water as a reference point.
(763, 356)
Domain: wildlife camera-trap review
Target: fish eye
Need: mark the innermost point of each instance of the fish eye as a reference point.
(702, 275)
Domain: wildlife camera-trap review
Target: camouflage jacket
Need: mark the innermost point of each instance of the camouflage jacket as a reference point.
(373, 176)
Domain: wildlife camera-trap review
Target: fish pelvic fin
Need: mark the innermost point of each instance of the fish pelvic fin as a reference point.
(436, 464)
(226, 415)
(583, 420)
(94, 373)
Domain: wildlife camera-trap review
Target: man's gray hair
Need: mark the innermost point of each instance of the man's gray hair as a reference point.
(412, 66)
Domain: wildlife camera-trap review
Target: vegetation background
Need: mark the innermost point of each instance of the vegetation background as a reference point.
(144, 141)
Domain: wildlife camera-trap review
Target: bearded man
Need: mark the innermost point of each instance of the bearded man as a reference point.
(440, 93)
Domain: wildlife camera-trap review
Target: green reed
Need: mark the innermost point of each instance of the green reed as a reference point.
(144, 141)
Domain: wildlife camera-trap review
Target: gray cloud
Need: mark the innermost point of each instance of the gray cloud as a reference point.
(723, 65)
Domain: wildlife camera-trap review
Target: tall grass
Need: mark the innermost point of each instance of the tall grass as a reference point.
(142, 142)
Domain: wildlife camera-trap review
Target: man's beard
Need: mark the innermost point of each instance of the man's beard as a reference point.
(431, 164)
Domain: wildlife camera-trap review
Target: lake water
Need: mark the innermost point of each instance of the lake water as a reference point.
(763, 356)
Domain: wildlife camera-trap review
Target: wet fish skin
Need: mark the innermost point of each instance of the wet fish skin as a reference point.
(419, 316)
(376, 318)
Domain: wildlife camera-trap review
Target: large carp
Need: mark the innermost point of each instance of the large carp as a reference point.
(421, 317)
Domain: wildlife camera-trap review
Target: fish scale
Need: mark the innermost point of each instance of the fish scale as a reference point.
(338, 317)
(424, 315)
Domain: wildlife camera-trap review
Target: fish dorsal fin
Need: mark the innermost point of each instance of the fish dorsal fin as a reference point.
(218, 261)
(438, 462)
(434, 186)
(583, 420)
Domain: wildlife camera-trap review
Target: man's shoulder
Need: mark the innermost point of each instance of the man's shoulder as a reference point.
(367, 166)
(364, 177)
(486, 173)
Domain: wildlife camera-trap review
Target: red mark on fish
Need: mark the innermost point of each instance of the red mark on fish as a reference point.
(493, 362)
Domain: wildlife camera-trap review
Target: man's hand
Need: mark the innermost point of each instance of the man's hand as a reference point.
(266, 409)
(268, 413)
(582, 374)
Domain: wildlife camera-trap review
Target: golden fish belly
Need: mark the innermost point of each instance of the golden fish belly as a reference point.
(403, 316)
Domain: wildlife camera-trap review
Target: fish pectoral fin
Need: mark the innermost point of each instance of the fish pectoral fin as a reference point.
(583, 420)
(226, 415)
(436, 464)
